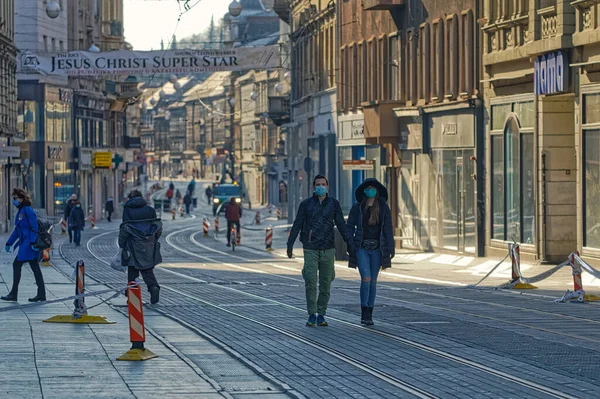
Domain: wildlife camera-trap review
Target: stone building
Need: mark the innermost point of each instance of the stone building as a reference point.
(411, 115)
(9, 176)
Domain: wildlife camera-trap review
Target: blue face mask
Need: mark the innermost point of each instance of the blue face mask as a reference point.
(78, 206)
(370, 192)
(321, 191)
(16, 202)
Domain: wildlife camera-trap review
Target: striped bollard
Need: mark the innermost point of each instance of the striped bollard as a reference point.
(238, 236)
(217, 224)
(278, 213)
(269, 238)
(181, 213)
(173, 212)
(514, 251)
(205, 226)
(93, 221)
(257, 218)
(46, 257)
(137, 332)
(63, 227)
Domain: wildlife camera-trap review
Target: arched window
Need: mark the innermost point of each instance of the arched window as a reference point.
(513, 205)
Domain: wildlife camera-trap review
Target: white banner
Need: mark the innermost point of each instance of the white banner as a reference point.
(84, 63)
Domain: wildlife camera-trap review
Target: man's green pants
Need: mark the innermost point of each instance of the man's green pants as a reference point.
(319, 265)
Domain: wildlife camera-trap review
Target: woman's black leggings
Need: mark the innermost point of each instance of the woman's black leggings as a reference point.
(37, 273)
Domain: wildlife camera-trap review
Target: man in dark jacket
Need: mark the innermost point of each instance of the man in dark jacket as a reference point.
(187, 201)
(68, 208)
(77, 222)
(315, 222)
(233, 214)
(109, 207)
(138, 237)
(208, 192)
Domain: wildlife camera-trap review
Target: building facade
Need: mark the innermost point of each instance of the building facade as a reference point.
(9, 176)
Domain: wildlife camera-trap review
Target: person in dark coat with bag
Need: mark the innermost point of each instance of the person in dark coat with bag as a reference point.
(24, 237)
(187, 201)
(77, 222)
(371, 243)
(138, 238)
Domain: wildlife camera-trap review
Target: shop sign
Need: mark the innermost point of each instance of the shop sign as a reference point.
(358, 164)
(85, 159)
(65, 95)
(10, 152)
(449, 129)
(56, 152)
(551, 73)
(358, 129)
(102, 159)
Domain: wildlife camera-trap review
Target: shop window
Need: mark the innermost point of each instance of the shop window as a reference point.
(499, 114)
(513, 206)
(591, 189)
(591, 105)
(526, 113)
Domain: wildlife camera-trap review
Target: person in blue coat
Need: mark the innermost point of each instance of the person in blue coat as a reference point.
(370, 240)
(24, 237)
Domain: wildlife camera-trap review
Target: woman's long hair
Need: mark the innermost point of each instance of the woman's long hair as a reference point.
(374, 218)
(20, 193)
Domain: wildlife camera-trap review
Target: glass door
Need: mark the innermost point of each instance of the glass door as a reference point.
(460, 201)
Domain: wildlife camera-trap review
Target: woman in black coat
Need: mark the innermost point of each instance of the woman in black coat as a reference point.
(370, 240)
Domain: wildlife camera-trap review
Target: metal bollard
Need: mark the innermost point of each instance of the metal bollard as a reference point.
(257, 218)
(269, 238)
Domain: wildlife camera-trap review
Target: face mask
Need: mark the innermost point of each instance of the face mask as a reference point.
(321, 191)
(78, 206)
(370, 192)
(16, 202)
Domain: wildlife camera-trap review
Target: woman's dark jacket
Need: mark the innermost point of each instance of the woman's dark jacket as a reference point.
(77, 219)
(354, 226)
(110, 206)
(139, 234)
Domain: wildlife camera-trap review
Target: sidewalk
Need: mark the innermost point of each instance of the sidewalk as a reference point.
(52, 360)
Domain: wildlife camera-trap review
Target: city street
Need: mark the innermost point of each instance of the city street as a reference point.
(429, 339)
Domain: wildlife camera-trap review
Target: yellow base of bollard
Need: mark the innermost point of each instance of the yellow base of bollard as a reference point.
(269, 249)
(138, 355)
(46, 264)
(590, 298)
(524, 286)
(82, 320)
(64, 233)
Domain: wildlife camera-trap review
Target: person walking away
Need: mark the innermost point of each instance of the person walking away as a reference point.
(233, 214)
(77, 222)
(24, 237)
(315, 222)
(371, 241)
(68, 208)
(208, 192)
(178, 196)
(138, 237)
(187, 201)
(169, 194)
(192, 186)
(109, 207)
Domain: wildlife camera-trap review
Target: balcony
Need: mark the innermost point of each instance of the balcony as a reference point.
(279, 109)
(549, 21)
(375, 5)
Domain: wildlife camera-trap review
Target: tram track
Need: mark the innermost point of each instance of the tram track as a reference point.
(413, 344)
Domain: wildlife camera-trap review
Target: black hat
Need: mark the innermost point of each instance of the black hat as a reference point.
(359, 194)
(317, 177)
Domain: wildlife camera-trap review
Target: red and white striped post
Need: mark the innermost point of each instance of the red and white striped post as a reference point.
(46, 257)
(137, 331)
(577, 284)
(79, 303)
(93, 221)
(63, 227)
(181, 212)
(257, 218)
(205, 226)
(278, 213)
(515, 257)
(217, 224)
(269, 238)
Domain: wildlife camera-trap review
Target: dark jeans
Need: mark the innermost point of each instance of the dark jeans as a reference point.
(37, 273)
(147, 275)
(187, 208)
(70, 234)
(229, 226)
(109, 215)
(77, 236)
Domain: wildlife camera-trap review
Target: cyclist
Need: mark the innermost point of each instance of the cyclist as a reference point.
(233, 214)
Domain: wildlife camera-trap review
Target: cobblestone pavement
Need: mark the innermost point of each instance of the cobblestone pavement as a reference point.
(429, 341)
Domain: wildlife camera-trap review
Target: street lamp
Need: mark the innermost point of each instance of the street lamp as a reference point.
(52, 10)
(235, 8)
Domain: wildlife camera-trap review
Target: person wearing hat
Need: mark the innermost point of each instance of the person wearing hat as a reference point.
(315, 221)
(370, 241)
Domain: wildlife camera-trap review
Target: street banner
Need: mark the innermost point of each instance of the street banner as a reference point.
(84, 63)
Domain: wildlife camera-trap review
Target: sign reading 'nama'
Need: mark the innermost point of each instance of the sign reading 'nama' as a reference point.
(83, 63)
(551, 73)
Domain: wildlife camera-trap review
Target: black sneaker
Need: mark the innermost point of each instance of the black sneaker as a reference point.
(37, 298)
(321, 321)
(228, 244)
(312, 320)
(154, 295)
(9, 298)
